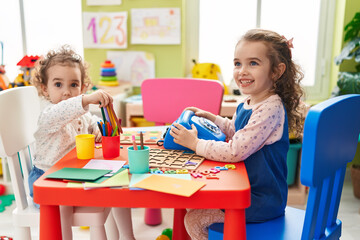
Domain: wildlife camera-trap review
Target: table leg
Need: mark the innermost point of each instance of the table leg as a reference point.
(50, 224)
(179, 231)
(235, 224)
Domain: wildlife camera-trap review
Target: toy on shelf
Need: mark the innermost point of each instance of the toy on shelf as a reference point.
(2, 189)
(26, 64)
(208, 71)
(4, 81)
(108, 74)
(5, 201)
(165, 235)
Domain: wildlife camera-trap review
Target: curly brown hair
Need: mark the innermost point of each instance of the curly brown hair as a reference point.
(288, 85)
(65, 56)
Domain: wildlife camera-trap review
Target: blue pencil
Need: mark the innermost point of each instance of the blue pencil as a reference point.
(104, 129)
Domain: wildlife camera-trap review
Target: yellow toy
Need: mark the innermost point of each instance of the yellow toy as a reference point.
(208, 71)
(19, 81)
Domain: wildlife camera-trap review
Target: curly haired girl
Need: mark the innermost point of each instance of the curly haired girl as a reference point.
(258, 132)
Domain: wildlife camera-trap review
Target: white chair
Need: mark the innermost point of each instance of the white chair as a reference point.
(19, 111)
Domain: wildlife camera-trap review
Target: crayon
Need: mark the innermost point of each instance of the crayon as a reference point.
(104, 129)
(141, 140)
(134, 142)
(103, 114)
(99, 125)
(107, 115)
(115, 131)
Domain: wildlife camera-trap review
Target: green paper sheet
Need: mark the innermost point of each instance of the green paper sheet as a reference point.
(118, 180)
(78, 174)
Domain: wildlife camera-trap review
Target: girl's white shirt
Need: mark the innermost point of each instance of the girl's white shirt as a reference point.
(265, 126)
(58, 125)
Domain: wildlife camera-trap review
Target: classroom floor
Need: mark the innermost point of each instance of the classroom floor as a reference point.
(348, 213)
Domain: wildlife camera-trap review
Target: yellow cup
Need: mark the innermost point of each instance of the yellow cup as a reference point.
(85, 146)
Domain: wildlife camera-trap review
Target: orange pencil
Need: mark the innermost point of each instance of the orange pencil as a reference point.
(111, 117)
(116, 119)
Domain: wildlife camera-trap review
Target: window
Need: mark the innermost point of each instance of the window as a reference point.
(48, 25)
(309, 22)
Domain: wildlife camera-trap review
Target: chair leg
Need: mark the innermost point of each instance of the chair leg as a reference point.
(112, 232)
(97, 233)
(153, 216)
(22, 233)
(66, 216)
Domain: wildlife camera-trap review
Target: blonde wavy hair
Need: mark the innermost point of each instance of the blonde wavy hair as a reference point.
(64, 56)
(288, 85)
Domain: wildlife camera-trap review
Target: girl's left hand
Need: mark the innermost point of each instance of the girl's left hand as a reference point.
(97, 134)
(185, 137)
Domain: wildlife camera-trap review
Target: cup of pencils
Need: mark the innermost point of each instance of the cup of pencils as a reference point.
(110, 130)
(111, 146)
(138, 157)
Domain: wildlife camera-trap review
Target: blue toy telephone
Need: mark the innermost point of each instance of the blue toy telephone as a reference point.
(206, 130)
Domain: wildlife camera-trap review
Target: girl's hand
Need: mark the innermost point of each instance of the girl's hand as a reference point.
(99, 96)
(184, 137)
(201, 113)
(98, 135)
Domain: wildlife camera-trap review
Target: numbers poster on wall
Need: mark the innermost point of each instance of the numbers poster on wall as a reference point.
(155, 26)
(105, 29)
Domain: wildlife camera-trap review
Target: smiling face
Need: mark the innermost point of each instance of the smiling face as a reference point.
(63, 83)
(252, 70)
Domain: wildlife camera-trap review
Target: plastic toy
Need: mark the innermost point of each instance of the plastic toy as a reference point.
(5, 238)
(108, 74)
(165, 235)
(27, 64)
(206, 130)
(2, 189)
(4, 81)
(178, 159)
(19, 82)
(6, 200)
(208, 71)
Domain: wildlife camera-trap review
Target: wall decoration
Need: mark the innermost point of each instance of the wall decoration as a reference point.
(105, 29)
(155, 26)
(133, 66)
(102, 2)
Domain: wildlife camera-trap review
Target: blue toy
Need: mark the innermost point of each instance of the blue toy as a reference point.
(206, 130)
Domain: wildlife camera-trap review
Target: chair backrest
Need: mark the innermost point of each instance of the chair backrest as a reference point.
(164, 99)
(331, 132)
(19, 112)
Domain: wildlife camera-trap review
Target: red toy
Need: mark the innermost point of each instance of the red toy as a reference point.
(2, 189)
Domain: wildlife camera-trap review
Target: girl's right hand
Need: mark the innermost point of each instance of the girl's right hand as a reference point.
(202, 113)
(99, 96)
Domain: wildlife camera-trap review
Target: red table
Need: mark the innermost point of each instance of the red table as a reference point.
(231, 192)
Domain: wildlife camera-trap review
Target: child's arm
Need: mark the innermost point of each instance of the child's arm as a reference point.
(264, 127)
(55, 116)
(202, 113)
(97, 97)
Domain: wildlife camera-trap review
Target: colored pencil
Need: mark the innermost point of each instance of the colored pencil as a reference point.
(104, 129)
(106, 114)
(141, 140)
(115, 130)
(116, 119)
(134, 142)
(99, 125)
(103, 114)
